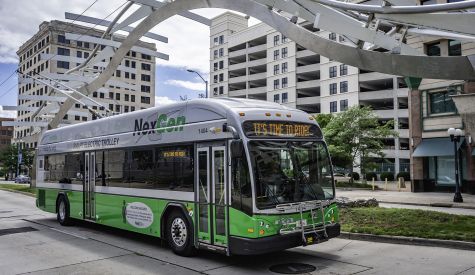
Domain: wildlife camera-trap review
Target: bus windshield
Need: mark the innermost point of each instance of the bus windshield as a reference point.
(290, 171)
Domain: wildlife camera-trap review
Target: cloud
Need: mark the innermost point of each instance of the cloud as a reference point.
(163, 100)
(3, 113)
(195, 86)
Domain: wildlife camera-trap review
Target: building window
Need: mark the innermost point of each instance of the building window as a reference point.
(77, 118)
(132, 99)
(145, 99)
(343, 86)
(145, 77)
(215, 91)
(284, 52)
(333, 88)
(276, 54)
(221, 39)
(145, 89)
(221, 52)
(117, 96)
(117, 73)
(276, 84)
(216, 41)
(133, 64)
(84, 118)
(62, 64)
(343, 69)
(221, 90)
(79, 54)
(221, 77)
(276, 69)
(63, 51)
(215, 66)
(433, 49)
(284, 67)
(126, 97)
(215, 54)
(343, 105)
(62, 39)
(332, 70)
(284, 39)
(277, 98)
(455, 48)
(215, 78)
(333, 107)
(285, 97)
(284, 82)
(441, 102)
(146, 67)
(332, 36)
(276, 40)
(221, 64)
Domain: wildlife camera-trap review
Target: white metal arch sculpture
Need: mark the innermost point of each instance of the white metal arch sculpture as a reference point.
(276, 13)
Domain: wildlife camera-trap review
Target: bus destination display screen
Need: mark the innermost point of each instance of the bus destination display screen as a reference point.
(281, 129)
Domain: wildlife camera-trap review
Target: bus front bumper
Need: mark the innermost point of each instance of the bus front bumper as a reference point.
(247, 246)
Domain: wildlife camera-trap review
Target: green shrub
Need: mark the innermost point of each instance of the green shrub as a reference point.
(405, 175)
(387, 175)
(355, 176)
(371, 175)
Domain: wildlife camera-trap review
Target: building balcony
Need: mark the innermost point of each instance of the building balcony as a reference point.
(305, 53)
(391, 113)
(243, 65)
(308, 84)
(308, 68)
(238, 79)
(381, 94)
(251, 91)
(373, 76)
(258, 48)
(253, 77)
(311, 100)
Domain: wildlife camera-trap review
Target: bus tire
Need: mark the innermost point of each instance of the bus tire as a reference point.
(179, 234)
(63, 211)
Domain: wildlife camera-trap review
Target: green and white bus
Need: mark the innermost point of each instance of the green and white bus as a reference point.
(234, 176)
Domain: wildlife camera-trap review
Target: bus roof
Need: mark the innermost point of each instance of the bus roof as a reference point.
(193, 111)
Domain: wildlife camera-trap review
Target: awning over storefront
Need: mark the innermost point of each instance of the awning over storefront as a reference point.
(436, 147)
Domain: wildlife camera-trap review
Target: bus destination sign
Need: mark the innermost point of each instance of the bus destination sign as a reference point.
(281, 129)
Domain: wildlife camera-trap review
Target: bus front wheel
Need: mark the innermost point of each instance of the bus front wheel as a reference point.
(179, 234)
(63, 211)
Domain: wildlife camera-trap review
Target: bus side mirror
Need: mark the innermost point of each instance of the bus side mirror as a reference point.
(237, 149)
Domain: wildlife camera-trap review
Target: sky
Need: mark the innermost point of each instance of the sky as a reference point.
(20, 19)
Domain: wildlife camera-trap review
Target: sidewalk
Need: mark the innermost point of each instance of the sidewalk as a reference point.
(424, 199)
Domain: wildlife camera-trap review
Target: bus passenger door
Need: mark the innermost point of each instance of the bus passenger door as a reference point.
(212, 196)
(89, 186)
(203, 190)
(219, 176)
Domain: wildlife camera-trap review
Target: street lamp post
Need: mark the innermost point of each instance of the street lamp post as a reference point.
(205, 81)
(455, 135)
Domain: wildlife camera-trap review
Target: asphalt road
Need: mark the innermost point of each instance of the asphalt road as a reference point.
(44, 247)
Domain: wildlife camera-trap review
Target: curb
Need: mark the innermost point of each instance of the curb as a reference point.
(19, 192)
(408, 240)
(436, 204)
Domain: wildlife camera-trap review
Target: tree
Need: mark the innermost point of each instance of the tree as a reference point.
(9, 158)
(356, 136)
(323, 119)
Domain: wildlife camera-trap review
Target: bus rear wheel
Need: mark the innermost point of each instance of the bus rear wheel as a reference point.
(63, 211)
(179, 234)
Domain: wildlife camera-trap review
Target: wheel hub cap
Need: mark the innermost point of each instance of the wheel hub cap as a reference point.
(178, 231)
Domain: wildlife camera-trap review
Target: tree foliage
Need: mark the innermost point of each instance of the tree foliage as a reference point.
(355, 135)
(9, 158)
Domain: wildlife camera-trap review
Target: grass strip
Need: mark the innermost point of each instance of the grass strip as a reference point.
(408, 223)
(18, 187)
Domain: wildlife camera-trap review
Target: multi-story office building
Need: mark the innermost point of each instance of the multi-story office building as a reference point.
(6, 133)
(51, 41)
(260, 63)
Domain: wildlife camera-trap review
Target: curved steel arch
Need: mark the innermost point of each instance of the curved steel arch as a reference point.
(414, 66)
